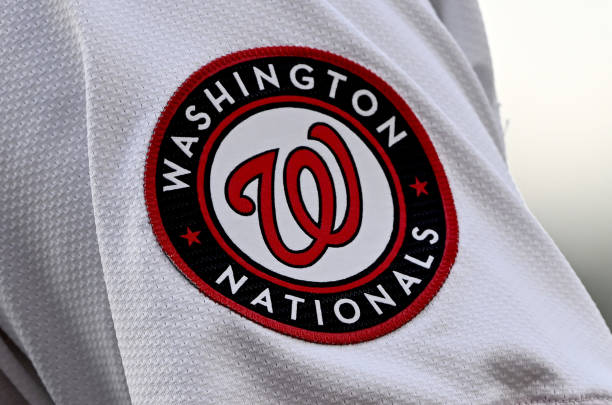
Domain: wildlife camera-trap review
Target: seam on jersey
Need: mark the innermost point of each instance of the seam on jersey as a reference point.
(72, 9)
(487, 110)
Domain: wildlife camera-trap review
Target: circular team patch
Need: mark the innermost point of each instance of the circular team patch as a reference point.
(298, 189)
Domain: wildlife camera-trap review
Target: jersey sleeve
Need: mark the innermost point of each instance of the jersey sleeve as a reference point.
(174, 230)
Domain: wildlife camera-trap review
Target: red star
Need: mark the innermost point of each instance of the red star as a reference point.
(419, 186)
(192, 237)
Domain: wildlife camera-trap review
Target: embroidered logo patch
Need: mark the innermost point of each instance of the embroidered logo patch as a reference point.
(298, 189)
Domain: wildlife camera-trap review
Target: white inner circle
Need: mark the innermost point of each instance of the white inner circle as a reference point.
(286, 128)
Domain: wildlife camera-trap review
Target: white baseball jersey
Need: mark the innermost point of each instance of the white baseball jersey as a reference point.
(272, 202)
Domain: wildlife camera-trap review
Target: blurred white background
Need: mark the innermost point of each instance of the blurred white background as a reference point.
(553, 72)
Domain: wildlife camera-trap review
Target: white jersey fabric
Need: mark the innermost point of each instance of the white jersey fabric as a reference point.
(87, 294)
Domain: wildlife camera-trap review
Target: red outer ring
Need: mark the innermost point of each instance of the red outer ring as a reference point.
(238, 258)
(450, 248)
